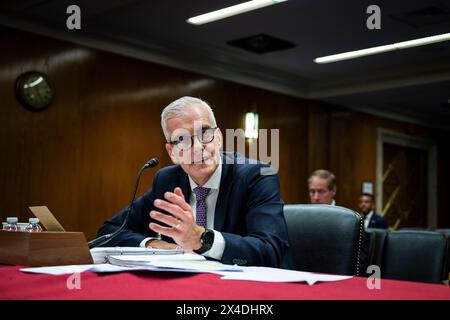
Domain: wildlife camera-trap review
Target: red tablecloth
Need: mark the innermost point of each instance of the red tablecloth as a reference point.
(15, 284)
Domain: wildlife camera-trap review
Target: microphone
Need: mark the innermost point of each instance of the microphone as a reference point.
(108, 237)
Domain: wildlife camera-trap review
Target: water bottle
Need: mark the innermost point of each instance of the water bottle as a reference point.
(11, 224)
(33, 225)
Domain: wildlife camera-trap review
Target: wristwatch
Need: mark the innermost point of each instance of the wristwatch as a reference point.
(207, 240)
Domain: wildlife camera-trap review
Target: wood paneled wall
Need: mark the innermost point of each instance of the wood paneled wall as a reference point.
(80, 156)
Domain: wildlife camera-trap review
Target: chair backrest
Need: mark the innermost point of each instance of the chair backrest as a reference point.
(377, 238)
(324, 238)
(446, 232)
(414, 256)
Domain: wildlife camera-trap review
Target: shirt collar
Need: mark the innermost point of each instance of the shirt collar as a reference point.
(212, 183)
(369, 215)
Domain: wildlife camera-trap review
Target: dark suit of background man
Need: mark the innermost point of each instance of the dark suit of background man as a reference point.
(371, 219)
(209, 202)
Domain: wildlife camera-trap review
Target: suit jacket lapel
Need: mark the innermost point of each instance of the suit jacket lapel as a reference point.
(184, 185)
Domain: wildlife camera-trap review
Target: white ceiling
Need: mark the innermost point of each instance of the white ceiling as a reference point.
(411, 84)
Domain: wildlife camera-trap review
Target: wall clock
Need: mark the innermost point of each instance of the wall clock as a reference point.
(34, 91)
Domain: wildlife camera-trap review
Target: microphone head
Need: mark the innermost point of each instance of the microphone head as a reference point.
(152, 163)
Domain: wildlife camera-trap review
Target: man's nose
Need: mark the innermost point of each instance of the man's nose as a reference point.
(196, 149)
(196, 143)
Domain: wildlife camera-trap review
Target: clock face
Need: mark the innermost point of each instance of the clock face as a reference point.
(34, 91)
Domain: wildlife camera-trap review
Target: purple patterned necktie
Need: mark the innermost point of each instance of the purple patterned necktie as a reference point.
(200, 195)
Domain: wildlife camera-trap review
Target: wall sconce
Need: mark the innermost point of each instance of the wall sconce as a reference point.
(251, 125)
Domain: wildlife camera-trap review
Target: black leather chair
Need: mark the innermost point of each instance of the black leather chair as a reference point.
(325, 239)
(446, 232)
(414, 256)
(377, 238)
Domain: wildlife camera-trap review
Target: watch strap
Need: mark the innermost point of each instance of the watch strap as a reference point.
(206, 240)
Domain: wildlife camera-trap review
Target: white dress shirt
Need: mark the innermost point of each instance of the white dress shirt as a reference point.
(367, 219)
(213, 183)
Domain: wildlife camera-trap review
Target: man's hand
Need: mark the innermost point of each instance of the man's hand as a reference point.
(160, 244)
(181, 223)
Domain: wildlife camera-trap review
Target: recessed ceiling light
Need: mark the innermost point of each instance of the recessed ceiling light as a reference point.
(231, 11)
(382, 49)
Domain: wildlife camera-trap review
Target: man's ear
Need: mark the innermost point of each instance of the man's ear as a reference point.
(220, 138)
(333, 191)
(170, 152)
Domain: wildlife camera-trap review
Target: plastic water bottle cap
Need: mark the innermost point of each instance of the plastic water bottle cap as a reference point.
(33, 220)
(12, 220)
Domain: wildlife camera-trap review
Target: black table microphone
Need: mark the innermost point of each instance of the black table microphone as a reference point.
(100, 241)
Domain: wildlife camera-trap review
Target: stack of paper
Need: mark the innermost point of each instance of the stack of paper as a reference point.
(187, 262)
(132, 259)
(100, 254)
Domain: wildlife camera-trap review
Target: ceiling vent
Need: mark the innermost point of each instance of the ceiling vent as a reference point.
(425, 16)
(261, 43)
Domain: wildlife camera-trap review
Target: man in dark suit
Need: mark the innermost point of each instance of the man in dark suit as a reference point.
(371, 218)
(216, 204)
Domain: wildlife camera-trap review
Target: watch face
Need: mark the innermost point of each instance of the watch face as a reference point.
(34, 91)
(207, 239)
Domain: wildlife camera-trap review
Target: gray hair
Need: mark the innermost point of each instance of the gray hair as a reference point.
(326, 175)
(175, 109)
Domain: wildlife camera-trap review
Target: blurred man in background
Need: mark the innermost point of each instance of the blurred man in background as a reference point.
(371, 219)
(322, 187)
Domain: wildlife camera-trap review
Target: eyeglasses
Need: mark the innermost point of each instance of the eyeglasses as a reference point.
(186, 142)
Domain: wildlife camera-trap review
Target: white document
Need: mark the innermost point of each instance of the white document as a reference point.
(187, 262)
(149, 260)
(196, 266)
(59, 270)
(126, 263)
(99, 254)
(279, 275)
(191, 263)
